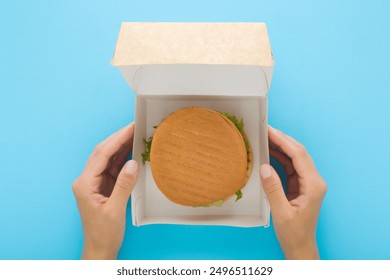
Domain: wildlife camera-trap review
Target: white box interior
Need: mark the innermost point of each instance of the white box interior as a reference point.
(150, 206)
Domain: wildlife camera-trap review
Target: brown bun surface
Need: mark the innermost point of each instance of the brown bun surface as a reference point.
(198, 157)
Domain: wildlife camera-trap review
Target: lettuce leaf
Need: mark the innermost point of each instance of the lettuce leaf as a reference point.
(219, 203)
(238, 195)
(216, 203)
(239, 123)
(146, 154)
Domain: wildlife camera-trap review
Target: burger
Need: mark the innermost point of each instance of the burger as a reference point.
(199, 157)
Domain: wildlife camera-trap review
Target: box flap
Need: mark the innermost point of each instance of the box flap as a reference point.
(195, 58)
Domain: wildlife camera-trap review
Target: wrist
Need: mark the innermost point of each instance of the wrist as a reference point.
(307, 251)
(90, 253)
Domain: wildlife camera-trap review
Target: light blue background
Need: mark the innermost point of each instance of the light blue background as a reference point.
(59, 97)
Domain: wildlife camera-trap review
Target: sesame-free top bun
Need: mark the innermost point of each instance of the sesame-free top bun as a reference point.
(198, 157)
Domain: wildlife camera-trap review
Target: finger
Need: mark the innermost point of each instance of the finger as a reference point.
(283, 160)
(121, 158)
(116, 132)
(292, 139)
(124, 152)
(272, 145)
(302, 162)
(293, 187)
(105, 151)
(124, 186)
(115, 166)
(273, 189)
(107, 185)
(292, 177)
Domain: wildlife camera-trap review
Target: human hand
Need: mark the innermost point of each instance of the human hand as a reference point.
(294, 215)
(102, 192)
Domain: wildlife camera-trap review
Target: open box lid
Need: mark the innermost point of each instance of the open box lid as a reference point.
(195, 58)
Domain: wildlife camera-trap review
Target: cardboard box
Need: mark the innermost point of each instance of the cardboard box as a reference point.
(223, 66)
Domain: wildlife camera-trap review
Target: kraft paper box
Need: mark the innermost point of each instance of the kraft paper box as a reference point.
(223, 66)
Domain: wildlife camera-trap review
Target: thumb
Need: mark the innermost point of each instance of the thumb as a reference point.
(124, 185)
(273, 189)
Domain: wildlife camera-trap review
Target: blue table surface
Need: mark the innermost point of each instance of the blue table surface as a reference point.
(60, 97)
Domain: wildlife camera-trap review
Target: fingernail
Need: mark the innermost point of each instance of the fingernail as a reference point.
(272, 128)
(131, 167)
(265, 171)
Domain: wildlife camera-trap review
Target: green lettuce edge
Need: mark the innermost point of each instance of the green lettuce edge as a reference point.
(239, 124)
(147, 146)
